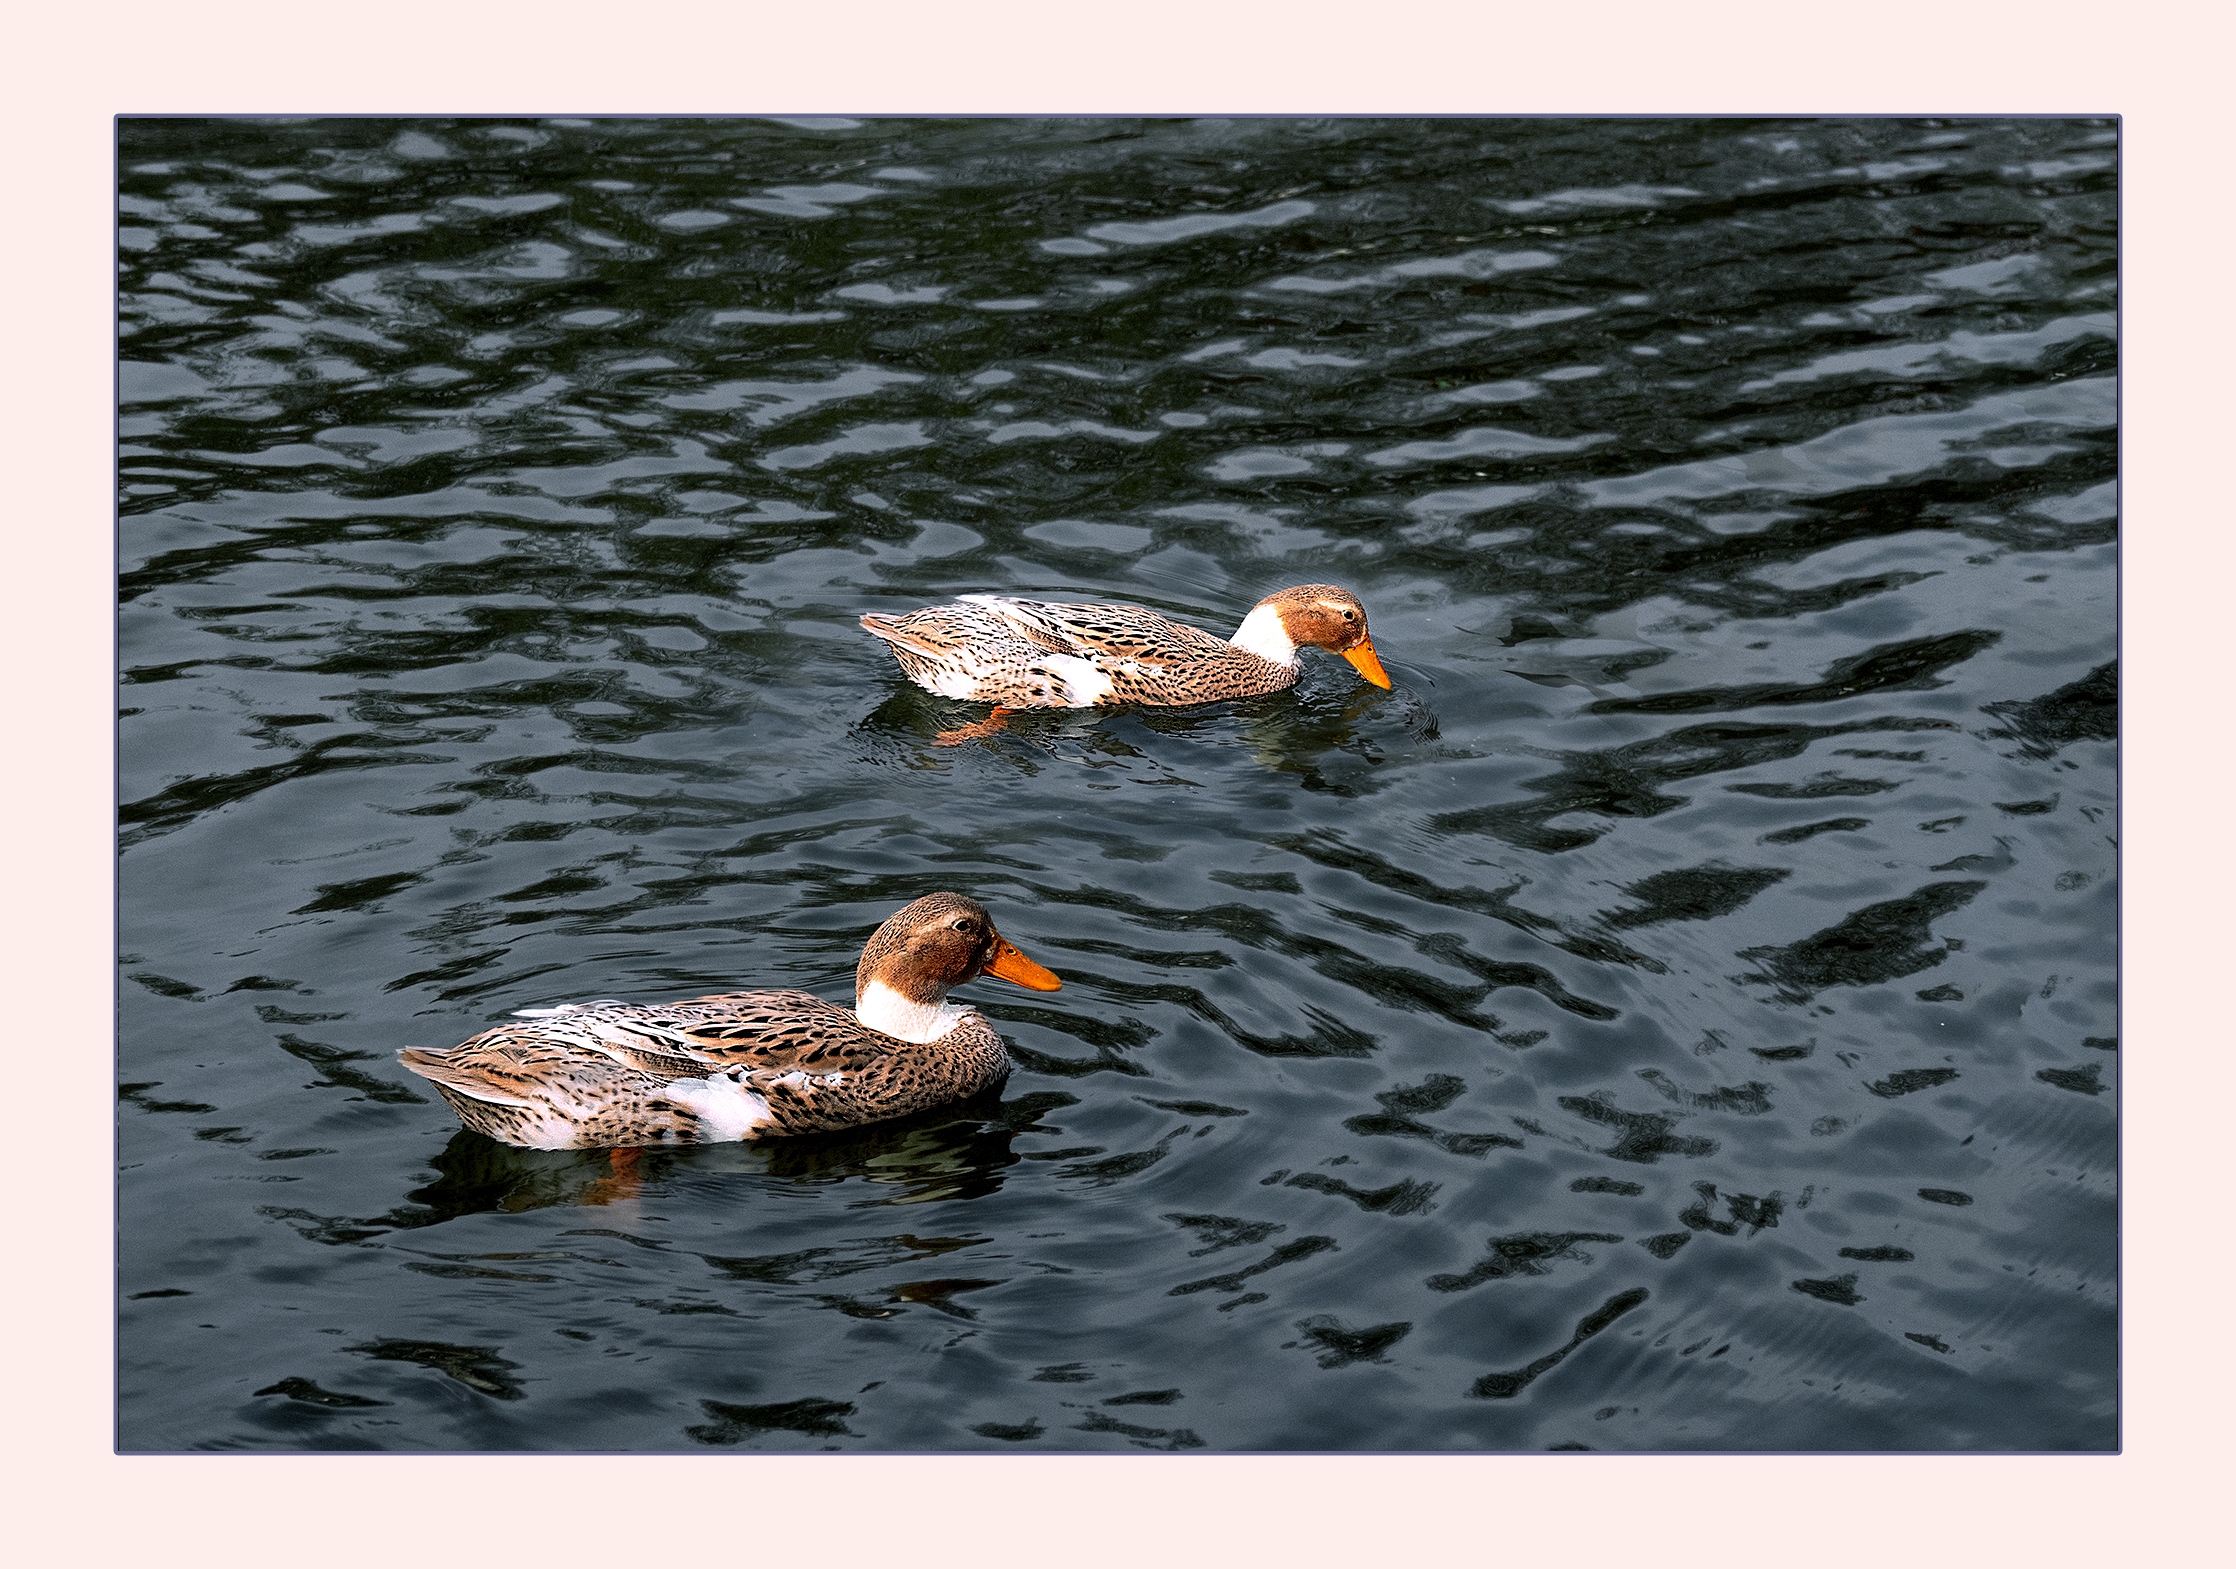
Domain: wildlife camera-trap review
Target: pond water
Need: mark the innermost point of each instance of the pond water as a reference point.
(1680, 1015)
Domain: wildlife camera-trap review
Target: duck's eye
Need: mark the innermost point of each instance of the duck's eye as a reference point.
(1350, 615)
(966, 924)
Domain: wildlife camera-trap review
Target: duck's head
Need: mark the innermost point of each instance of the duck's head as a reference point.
(1312, 615)
(940, 941)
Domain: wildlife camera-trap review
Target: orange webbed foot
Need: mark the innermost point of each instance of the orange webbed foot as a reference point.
(625, 1182)
(990, 725)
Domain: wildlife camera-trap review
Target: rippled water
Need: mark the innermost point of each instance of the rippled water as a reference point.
(1680, 1015)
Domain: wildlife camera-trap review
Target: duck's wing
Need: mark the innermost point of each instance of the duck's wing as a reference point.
(948, 633)
(1031, 653)
(519, 1064)
(1131, 634)
(780, 1031)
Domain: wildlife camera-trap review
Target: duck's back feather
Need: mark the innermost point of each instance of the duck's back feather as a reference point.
(1030, 653)
(1104, 632)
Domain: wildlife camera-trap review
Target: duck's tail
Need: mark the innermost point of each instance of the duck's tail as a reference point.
(890, 629)
(466, 1081)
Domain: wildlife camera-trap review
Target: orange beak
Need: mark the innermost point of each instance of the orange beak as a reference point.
(1363, 660)
(1010, 965)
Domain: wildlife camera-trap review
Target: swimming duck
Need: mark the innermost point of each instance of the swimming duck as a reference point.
(1028, 653)
(747, 1065)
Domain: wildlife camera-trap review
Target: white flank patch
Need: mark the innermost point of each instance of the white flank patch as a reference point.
(727, 1108)
(1262, 633)
(888, 1012)
(1084, 684)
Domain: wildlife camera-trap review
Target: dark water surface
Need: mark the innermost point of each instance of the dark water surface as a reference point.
(1680, 1015)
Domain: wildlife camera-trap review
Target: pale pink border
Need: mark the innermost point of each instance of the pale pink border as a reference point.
(2161, 65)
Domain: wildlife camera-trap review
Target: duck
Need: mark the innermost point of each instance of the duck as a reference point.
(738, 1066)
(1030, 653)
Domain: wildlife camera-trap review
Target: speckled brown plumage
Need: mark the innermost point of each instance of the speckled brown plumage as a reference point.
(1024, 653)
(738, 1065)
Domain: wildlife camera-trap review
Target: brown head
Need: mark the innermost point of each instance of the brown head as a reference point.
(941, 941)
(1320, 615)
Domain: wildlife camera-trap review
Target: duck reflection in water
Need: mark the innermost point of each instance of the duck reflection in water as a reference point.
(956, 1151)
(1292, 732)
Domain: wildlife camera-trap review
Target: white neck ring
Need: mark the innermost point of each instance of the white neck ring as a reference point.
(888, 1012)
(1262, 633)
